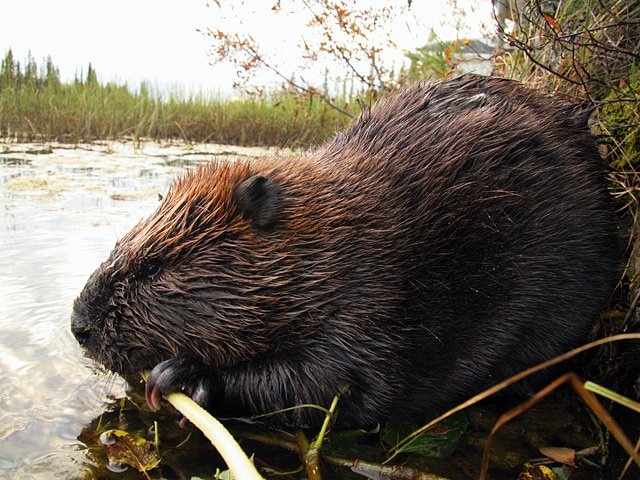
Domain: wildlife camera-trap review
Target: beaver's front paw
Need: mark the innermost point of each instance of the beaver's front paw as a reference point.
(184, 374)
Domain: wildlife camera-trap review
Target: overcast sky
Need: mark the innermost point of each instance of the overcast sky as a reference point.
(158, 40)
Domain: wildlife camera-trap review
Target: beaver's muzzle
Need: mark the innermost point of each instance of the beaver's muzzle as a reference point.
(80, 324)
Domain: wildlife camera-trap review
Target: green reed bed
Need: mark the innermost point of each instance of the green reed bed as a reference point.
(36, 105)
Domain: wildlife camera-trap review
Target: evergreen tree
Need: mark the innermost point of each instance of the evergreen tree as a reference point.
(53, 76)
(7, 70)
(92, 77)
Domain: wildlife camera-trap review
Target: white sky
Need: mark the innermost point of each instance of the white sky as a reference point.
(157, 40)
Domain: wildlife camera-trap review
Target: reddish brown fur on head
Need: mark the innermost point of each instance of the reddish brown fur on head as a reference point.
(197, 205)
(172, 286)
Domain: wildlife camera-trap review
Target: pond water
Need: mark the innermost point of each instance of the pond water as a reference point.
(61, 210)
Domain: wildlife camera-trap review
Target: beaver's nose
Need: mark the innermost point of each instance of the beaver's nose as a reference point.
(80, 324)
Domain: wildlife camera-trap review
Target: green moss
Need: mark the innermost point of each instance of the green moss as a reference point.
(620, 123)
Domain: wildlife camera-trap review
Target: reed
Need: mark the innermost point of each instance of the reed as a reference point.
(36, 105)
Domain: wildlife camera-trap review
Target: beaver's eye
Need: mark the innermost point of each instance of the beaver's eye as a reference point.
(152, 268)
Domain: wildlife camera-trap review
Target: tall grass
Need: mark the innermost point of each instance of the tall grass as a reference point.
(36, 105)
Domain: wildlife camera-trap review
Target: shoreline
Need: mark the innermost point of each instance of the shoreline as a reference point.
(147, 147)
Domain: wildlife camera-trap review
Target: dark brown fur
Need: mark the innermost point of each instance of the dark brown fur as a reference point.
(457, 233)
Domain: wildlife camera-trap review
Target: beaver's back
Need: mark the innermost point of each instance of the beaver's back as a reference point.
(514, 247)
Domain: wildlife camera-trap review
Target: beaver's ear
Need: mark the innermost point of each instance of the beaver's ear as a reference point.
(259, 200)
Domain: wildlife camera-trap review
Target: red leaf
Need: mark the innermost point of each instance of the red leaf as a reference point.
(551, 21)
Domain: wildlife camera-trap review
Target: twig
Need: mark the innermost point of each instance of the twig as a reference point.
(311, 451)
(375, 470)
(240, 465)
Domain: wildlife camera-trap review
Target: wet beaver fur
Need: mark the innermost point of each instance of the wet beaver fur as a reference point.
(454, 234)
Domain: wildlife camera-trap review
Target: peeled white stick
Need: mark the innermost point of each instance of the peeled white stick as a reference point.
(240, 465)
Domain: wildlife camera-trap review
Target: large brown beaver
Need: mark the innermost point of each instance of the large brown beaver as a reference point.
(455, 234)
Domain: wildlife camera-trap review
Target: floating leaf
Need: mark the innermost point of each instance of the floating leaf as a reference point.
(440, 441)
(127, 449)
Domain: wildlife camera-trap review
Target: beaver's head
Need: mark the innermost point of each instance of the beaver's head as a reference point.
(196, 278)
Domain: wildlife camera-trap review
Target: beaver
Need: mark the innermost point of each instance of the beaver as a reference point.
(455, 233)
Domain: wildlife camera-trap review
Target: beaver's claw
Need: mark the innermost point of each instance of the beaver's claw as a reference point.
(182, 374)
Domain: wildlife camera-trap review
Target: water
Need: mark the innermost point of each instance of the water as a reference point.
(61, 211)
